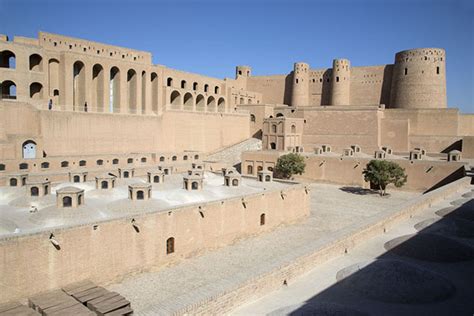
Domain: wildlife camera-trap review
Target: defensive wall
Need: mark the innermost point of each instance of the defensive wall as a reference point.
(423, 175)
(106, 251)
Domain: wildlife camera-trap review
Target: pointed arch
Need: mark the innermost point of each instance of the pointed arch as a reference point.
(98, 87)
(211, 104)
(221, 105)
(188, 101)
(200, 103)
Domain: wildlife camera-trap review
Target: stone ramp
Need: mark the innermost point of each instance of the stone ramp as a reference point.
(232, 154)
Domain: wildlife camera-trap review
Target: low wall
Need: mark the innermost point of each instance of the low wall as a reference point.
(341, 243)
(30, 264)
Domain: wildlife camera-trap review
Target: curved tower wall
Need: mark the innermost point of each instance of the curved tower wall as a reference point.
(341, 82)
(300, 94)
(419, 79)
(243, 71)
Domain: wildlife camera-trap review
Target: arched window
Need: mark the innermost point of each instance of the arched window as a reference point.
(221, 105)
(242, 101)
(154, 92)
(188, 101)
(169, 245)
(36, 91)
(8, 90)
(249, 169)
(262, 219)
(206, 88)
(162, 158)
(45, 165)
(279, 115)
(211, 104)
(2, 167)
(174, 158)
(76, 179)
(115, 161)
(98, 87)
(196, 157)
(274, 128)
(175, 98)
(252, 118)
(156, 179)
(82, 163)
(100, 162)
(194, 185)
(267, 178)
(249, 101)
(185, 157)
(67, 201)
(183, 84)
(216, 90)
(169, 82)
(195, 86)
(130, 160)
(125, 174)
(272, 145)
(13, 182)
(7, 59)
(293, 128)
(114, 89)
(34, 191)
(29, 149)
(259, 168)
(143, 159)
(140, 195)
(104, 185)
(200, 103)
(23, 166)
(132, 90)
(235, 182)
(36, 62)
(143, 94)
(79, 199)
(79, 85)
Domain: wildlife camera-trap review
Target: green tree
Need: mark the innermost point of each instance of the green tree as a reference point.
(381, 173)
(290, 164)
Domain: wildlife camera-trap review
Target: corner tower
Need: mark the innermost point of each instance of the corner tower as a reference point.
(243, 71)
(341, 82)
(419, 79)
(300, 93)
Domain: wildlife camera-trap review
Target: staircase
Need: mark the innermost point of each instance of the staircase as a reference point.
(231, 155)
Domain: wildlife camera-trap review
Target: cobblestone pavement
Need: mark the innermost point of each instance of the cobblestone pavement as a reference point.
(198, 278)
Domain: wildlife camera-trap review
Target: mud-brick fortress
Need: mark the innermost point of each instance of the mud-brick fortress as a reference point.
(74, 111)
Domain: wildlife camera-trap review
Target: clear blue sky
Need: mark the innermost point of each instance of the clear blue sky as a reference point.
(212, 37)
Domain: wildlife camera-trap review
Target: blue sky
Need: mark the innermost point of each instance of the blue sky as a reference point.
(211, 37)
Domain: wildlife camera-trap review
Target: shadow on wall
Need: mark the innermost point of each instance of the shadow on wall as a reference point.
(458, 174)
(427, 273)
(258, 134)
(386, 85)
(457, 145)
(326, 89)
(288, 89)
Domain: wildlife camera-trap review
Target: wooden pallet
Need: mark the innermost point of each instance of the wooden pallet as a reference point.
(58, 303)
(16, 309)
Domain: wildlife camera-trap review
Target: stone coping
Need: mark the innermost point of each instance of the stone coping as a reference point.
(140, 185)
(69, 190)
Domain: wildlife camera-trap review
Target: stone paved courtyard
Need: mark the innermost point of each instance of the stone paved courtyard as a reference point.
(333, 209)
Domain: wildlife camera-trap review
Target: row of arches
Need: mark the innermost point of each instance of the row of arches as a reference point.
(111, 85)
(200, 103)
(8, 60)
(8, 90)
(195, 86)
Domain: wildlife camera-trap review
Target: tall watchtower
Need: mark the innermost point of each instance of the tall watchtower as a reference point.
(341, 82)
(300, 94)
(243, 71)
(419, 79)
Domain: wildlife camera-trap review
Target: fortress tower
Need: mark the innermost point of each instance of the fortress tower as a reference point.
(300, 94)
(341, 82)
(243, 71)
(419, 79)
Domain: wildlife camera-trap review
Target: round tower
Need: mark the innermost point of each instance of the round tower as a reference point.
(300, 93)
(341, 82)
(419, 79)
(243, 71)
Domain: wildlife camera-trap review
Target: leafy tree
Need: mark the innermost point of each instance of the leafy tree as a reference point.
(381, 173)
(290, 164)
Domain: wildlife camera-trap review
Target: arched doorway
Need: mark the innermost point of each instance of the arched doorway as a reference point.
(132, 90)
(29, 149)
(67, 201)
(104, 185)
(249, 169)
(211, 104)
(156, 179)
(175, 99)
(221, 105)
(188, 101)
(140, 195)
(200, 103)
(79, 85)
(154, 92)
(76, 179)
(194, 186)
(98, 87)
(34, 191)
(13, 182)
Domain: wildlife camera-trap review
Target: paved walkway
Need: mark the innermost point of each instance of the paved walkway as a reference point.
(196, 279)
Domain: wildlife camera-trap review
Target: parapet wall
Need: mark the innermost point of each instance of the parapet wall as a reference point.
(115, 248)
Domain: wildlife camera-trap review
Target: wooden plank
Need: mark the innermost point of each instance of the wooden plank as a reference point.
(101, 310)
(76, 310)
(59, 307)
(7, 306)
(102, 298)
(78, 287)
(49, 299)
(92, 295)
(109, 301)
(122, 311)
(20, 311)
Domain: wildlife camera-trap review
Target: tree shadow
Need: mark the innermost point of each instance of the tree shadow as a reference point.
(358, 190)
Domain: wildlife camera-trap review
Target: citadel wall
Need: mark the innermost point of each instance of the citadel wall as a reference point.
(114, 248)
